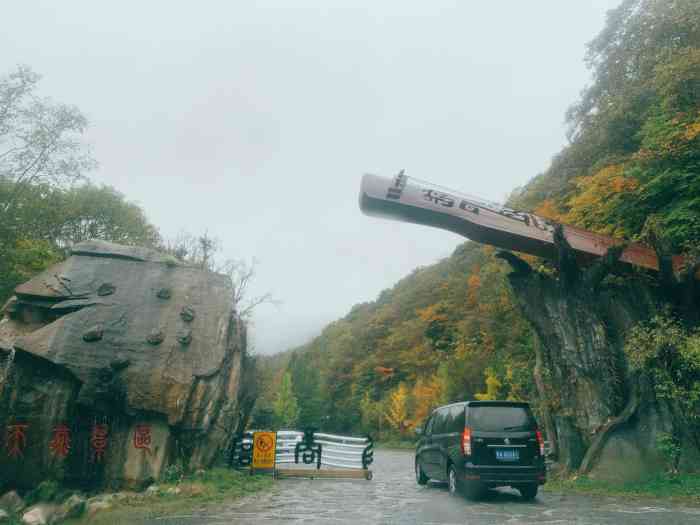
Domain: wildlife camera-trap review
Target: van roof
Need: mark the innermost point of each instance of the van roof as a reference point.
(498, 403)
(487, 403)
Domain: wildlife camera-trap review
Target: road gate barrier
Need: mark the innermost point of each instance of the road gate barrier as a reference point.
(345, 456)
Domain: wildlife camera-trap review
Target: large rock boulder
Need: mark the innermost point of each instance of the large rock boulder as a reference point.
(115, 363)
(11, 502)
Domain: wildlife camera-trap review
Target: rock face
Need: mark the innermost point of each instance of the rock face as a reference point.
(599, 417)
(108, 382)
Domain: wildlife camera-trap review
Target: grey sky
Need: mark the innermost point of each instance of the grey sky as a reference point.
(255, 121)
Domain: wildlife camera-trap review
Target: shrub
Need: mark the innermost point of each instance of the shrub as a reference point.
(173, 474)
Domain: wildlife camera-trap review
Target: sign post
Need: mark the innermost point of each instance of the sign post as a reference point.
(264, 445)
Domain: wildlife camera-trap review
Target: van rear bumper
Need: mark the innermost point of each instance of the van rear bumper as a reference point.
(504, 475)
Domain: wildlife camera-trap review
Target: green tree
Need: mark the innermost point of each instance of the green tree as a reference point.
(101, 212)
(40, 140)
(306, 386)
(285, 407)
(41, 153)
(65, 216)
(372, 414)
(49, 219)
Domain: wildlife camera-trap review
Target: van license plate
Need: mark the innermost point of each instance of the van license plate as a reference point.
(507, 454)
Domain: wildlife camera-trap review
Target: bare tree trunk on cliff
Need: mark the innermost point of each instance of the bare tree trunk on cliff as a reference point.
(549, 426)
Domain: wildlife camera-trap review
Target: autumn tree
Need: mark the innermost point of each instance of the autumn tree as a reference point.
(397, 411)
(427, 394)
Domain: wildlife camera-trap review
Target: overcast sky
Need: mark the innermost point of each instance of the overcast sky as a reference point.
(255, 121)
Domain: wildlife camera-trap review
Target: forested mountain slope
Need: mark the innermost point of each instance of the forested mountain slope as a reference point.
(457, 329)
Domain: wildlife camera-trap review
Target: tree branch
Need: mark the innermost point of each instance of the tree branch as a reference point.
(593, 452)
(603, 266)
(569, 271)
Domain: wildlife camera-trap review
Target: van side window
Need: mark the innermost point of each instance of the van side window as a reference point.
(439, 424)
(457, 419)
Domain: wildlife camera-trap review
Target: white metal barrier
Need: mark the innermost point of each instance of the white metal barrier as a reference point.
(294, 447)
(286, 445)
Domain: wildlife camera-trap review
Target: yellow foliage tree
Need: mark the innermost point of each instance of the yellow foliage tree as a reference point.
(427, 394)
(397, 411)
(515, 388)
(434, 312)
(596, 196)
(493, 386)
(549, 210)
(473, 286)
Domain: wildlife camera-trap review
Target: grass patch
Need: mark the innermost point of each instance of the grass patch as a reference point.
(683, 488)
(195, 492)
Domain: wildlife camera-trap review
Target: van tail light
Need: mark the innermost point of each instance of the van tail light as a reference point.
(467, 442)
(540, 440)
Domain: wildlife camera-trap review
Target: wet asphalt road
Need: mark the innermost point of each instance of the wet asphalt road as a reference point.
(394, 497)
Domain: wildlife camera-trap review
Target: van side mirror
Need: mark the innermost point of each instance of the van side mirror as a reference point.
(419, 431)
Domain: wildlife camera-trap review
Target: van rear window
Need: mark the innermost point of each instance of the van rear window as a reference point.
(499, 418)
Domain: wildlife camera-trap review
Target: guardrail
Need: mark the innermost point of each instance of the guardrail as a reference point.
(286, 446)
(241, 451)
(309, 448)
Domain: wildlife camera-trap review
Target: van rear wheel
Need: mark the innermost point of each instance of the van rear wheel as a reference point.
(453, 484)
(529, 491)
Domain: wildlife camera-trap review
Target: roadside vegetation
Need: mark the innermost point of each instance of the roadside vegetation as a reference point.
(682, 488)
(187, 494)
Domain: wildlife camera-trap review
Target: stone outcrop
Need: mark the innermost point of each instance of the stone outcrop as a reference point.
(600, 418)
(11, 502)
(133, 359)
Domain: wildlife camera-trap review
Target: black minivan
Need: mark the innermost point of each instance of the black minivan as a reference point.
(474, 445)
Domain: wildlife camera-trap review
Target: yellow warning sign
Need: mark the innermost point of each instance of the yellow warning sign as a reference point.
(264, 450)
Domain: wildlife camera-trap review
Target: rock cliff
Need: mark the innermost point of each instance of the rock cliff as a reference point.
(600, 417)
(114, 364)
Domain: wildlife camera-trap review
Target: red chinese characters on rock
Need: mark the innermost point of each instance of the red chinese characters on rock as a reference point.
(60, 442)
(98, 441)
(16, 439)
(142, 437)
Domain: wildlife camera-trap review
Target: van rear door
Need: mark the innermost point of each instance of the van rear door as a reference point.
(503, 434)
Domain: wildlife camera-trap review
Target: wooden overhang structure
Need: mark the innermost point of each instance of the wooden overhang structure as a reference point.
(411, 200)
